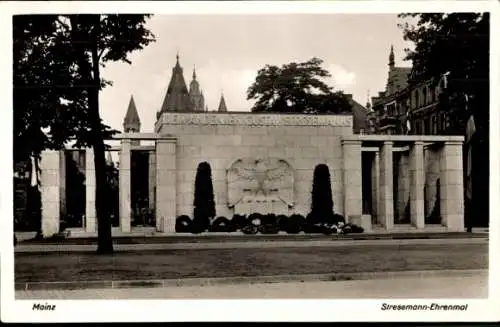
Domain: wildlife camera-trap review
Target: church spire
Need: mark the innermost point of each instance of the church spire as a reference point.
(177, 97)
(391, 57)
(195, 94)
(222, 104)
(131, 122)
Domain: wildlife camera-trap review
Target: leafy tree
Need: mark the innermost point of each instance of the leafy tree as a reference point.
(57, 61)
(457, 43)
(322, 202)
(296, 87)
(204, 204)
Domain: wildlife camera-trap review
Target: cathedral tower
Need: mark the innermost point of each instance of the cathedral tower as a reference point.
(177, 98)
(391, 58)
(196, 94)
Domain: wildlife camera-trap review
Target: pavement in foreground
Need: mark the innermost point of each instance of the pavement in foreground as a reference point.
(456, 287)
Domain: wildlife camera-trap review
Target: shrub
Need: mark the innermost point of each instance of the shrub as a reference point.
(311, 226)
(221, 224)
(204, 204)
(269, 224)
(183, 224)
(295, 224)
(255, 219)
(282, 222)
(250, 229)
(322, 202)
(269, 219)
(238, 222)
(356, 228)
(337, 219)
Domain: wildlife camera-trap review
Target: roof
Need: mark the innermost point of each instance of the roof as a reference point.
(359, 116)
(131, 117)
(222, 104)
(177, 97)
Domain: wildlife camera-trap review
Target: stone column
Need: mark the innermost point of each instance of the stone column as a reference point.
(451, 186)
(353, 196)
(417, 178)
(50, 183)
(403, 184)
(166, 190)
(152, 179)
(90, 213)
(124, 185)
(386, 201)
(375, 184)
(62, 186)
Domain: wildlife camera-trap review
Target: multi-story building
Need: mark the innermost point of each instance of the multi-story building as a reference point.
(409, 109)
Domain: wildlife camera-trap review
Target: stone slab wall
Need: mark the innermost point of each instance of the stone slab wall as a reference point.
(403, 184)
(221, 138)
(432, 159)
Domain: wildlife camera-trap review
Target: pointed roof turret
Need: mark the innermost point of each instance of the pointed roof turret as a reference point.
(222, 104)
(391, 57)
(177, 97)
(195, 94)
(131, 122)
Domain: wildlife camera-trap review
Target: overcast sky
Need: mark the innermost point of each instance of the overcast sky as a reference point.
(229, 49)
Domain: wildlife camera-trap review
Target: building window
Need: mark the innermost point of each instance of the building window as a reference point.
(424, 96)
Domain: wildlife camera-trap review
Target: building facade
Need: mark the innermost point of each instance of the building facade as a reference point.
(260, 162)
(413, 109)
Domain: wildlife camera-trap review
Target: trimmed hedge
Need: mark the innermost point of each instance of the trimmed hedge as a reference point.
(204, 204)
(321, 201)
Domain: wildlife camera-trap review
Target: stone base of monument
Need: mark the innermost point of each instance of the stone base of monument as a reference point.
(363, 221)
(261, 204)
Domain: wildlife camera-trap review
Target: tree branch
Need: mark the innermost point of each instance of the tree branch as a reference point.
(99, 56)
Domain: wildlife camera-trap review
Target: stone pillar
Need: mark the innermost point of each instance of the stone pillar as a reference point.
(353, 196)
(417, 178)
(386, 201)
(124, 185)
(166, 190)
(62, 187)
(375, 184)
(152, 179)
(50, 183)
(90, 186)
(451, 186)
(403, 184)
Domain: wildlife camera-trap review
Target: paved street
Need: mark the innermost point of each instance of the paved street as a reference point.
(434, 287)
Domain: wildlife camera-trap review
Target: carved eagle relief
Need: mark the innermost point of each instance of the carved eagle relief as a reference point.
(263, 178)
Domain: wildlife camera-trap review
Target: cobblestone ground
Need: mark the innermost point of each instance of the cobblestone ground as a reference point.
(436, 287)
